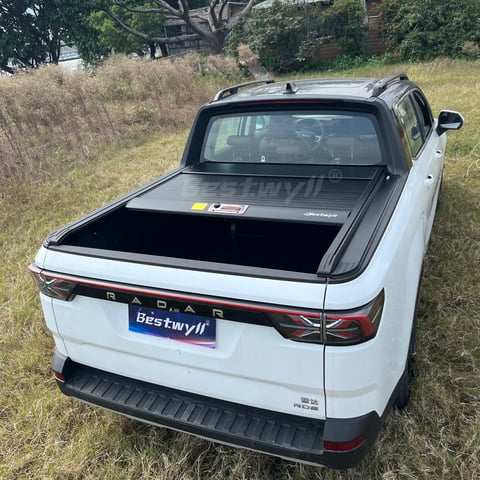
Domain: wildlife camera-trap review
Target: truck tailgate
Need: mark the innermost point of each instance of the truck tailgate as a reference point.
(95, 329)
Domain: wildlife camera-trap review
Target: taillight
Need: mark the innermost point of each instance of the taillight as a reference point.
(59, 376)
(302, 327)
(344, 446)
(53, 286)
(354, 326)
(331, 328)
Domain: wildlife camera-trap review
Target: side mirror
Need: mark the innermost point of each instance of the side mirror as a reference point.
(449, 120)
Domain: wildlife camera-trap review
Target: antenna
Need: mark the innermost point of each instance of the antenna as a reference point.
(290, 88)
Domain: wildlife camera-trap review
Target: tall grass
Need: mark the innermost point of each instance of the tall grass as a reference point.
(44, 435)
(52, 118)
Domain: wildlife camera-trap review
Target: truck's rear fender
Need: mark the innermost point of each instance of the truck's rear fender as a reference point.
(51, 322)
(375, 367)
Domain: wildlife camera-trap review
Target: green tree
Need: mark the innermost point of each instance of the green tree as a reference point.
(110, 36)
(287, 34)
(19, 39)
(32, 32)
(275, 35)
(345, 23)
(425, 29)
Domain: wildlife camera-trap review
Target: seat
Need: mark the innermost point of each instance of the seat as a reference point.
(340, 149)
(279, 143)
(243, 148)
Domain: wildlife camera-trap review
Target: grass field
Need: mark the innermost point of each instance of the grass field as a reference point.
(44, 435)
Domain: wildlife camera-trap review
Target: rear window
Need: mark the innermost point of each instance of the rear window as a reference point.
(344, 138)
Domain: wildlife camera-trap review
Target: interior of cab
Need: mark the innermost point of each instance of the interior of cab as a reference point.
(305, 137)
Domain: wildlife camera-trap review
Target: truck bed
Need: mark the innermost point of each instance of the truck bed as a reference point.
(299, 223)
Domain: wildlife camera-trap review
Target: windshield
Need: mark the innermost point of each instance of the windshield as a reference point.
(305, 137)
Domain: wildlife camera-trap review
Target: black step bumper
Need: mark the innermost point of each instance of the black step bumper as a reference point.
(291, 437)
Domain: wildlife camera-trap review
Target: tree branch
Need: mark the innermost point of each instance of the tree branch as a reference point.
(221, 10)
(139, 10)
(242, 13)
(214, 34)
(212, 15)
(4, 67)
(149, 38)
(163, 8)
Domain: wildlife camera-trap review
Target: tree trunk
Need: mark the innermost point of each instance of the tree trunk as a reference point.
(7, 69)
(163, 49)
(219, 41)
(153, 50)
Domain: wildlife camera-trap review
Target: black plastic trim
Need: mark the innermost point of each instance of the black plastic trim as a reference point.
(186, 264)
(338, 246)
(227, 92)
(288, 436)
(384, 83)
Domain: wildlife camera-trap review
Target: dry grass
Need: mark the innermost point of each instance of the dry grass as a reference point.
(53, 118)
(44, 435)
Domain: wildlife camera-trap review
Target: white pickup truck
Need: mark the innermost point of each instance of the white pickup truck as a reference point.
(263, 294)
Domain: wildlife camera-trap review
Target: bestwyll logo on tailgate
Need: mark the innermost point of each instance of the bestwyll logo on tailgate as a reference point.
(177, 326)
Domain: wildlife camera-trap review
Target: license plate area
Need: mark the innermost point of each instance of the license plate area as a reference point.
(177, 326)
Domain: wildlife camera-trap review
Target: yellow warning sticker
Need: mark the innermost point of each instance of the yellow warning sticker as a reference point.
(199, 206)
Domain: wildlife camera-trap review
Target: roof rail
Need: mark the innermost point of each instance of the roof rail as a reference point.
(226, 92)
(384, 83)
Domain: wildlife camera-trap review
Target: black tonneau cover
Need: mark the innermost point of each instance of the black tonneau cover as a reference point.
(322, 195)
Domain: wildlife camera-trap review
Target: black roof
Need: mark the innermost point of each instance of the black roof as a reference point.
(332, 88)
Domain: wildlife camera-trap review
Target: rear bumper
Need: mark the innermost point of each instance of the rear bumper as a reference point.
(292, 437)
